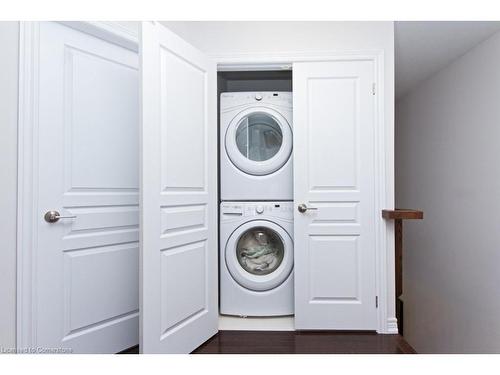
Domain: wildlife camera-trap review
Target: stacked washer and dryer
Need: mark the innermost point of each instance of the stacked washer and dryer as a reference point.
(256, 211)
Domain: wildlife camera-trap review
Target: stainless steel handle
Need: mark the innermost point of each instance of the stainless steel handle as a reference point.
(303, 208)
(54, 216)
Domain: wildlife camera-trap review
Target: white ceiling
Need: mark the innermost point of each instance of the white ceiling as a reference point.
(424, 47)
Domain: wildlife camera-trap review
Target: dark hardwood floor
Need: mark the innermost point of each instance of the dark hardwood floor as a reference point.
(274, 342)
(132, 350)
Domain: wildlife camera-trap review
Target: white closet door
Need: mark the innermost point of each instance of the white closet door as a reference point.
(179, 194)
(85, 270)
(335, 280)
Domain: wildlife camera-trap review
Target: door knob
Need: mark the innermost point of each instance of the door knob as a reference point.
(54, 216)
(303, 208)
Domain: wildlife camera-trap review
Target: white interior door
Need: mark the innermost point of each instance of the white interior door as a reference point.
(86, 155)
(335, 279)
(179, 194)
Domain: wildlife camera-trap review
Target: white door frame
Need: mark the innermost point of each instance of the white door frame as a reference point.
(27, 169)
(384, 158)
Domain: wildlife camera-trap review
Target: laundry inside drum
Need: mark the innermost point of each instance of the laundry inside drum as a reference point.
(260, 251)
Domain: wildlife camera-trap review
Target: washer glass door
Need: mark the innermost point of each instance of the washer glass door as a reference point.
(259, 255)
(259, 141)
(260, 251)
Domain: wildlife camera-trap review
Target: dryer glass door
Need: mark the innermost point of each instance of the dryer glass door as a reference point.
(258, 137)
(259, 141)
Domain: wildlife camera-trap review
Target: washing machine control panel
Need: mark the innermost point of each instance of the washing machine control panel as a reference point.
(232, 209)
(249, 209)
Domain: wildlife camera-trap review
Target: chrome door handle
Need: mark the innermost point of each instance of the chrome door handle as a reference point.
(54, 216)
(303, 208)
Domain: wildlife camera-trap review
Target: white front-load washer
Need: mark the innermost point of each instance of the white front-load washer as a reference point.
(256, 146)
(256, 258)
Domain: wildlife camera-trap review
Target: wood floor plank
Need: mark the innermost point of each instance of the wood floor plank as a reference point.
(270, 342)
(279, 342)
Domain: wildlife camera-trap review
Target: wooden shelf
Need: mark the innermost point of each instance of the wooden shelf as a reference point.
(402, 214)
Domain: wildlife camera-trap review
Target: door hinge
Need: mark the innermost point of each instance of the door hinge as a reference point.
(373, 88)
(376, 302)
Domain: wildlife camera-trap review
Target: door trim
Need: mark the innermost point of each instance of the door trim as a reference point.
(108, 30)
(384, 156)
(27, 168)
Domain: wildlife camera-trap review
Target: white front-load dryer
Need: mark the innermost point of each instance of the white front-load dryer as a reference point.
(256, 258)
(256, 142)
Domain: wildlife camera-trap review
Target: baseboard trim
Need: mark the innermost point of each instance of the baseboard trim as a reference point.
(392, 326)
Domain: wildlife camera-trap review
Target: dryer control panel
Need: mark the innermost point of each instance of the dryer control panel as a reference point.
(275, 98)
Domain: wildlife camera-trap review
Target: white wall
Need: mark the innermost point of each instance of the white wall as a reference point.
(272, 37)
(9, 39)
(447, 163)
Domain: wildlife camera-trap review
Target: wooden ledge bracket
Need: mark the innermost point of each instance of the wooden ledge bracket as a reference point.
(398, 215)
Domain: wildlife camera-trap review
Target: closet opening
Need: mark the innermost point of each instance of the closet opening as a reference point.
(266, 80)
(255, 132)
